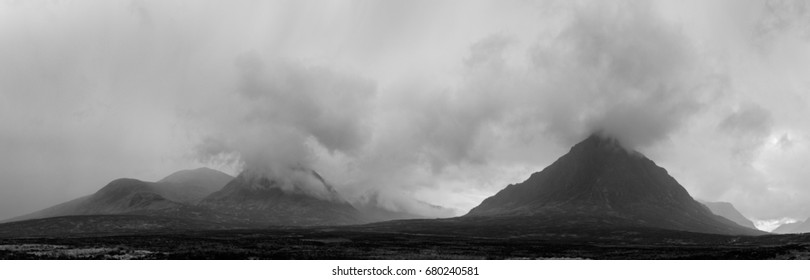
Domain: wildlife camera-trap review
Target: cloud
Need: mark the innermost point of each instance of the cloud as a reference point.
(280, 106)
(329, 106)
(621, 70)
(772, 224)
(750, 126)
(779, 17)
(488, 52)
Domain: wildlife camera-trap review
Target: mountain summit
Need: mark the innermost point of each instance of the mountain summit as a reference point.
(600, 182)
(302, 197)
(190, 186)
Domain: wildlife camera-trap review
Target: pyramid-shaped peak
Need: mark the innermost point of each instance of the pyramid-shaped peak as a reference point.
(601, 140)
(602, 143)
(601, 178)
(598, 137)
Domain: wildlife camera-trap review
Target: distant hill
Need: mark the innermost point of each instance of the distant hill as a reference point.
(300, 198)
(118, 197)
(191, 186)
(126, 196)
(599, 183)
(727, 210)
(798, 227)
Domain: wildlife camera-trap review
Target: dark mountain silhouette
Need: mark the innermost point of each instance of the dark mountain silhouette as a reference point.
(256, 198)
(797, 227)
(600, 183)
(131, 196)
(727, 210)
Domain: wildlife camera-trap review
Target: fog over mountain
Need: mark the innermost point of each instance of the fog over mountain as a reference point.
(423, 106)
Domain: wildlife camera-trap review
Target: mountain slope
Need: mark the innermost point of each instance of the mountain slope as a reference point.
(191, 186)
(118, 197)
(798, 227)
(727, 210)
(171, 196)
(599, 183)
(255, 198)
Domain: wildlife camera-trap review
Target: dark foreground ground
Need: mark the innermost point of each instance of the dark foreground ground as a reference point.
(359, 243)
(142, 237)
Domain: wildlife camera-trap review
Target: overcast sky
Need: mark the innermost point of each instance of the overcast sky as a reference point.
(444, 102)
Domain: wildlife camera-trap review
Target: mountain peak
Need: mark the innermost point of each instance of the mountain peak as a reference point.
(295, 197)
(202, 173)
(600, 138)
(603, 142)
(599, 177)
(298, 181)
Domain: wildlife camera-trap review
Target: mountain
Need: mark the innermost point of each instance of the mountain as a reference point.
(727, 210)
(168, 197)
(798, 227)
(191, 186)
(118, 197)
(601, 183)
(301, 197)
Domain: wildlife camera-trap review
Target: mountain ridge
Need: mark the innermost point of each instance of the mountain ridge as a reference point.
(260, 199)
(728, 211)
(125, 196)
(792, 228)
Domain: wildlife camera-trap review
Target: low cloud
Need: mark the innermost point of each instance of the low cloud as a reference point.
(621, 70)
(780, 17)
(770, 225)
(751, 126)
(280, 110)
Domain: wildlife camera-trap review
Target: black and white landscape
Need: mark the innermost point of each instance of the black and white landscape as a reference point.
(405, 130)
